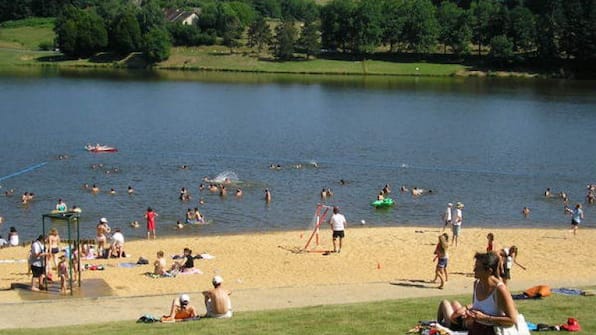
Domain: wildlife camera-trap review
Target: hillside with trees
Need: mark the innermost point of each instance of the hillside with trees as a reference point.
(549, 34)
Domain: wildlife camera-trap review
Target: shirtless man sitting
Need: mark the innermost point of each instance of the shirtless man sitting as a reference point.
(181, 310)
(217, 300)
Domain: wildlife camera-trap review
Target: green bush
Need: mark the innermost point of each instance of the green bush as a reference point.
(46, 46)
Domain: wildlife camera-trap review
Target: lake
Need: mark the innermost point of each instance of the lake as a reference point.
(493, 144)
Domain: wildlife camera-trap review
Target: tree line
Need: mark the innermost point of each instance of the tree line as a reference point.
(503, 31)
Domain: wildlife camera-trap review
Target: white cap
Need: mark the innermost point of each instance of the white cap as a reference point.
(217, 280)
(103, 220)
(184, 298)
(450, 204)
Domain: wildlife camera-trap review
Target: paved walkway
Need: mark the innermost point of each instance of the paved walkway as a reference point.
(74, 311)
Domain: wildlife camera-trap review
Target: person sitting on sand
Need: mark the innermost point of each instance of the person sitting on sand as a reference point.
(159, 266)
(186, 263)
(181, 310)
(451, 314)
(117, 248)
(217, 300)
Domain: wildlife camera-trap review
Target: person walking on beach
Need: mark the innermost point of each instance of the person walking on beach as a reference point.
(457, 223)
(150, 215)
(442, 258)
(447, 216)
(338, 224)
(577, 215)
(508, 257)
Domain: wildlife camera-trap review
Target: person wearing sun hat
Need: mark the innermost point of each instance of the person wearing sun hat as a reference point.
(217, 300)
(181, 310)
(457, 221)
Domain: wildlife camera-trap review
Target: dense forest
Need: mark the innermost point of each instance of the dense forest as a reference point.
(497, 32)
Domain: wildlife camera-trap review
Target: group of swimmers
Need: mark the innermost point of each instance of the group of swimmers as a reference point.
(95, 189)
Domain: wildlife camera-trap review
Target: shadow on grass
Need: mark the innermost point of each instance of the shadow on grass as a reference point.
(53, 58)
(419, 283)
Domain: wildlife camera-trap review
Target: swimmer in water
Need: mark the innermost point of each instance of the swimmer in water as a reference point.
(223, 191)
(94, 188)
(238, 193)
(112, 191)
(386, 189)
(323, 194)
(130, 190)
(267, 195)
(526, 212)
(380, 197)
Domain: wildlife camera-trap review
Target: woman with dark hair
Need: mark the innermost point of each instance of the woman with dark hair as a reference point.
(492, 303)
(508, 258)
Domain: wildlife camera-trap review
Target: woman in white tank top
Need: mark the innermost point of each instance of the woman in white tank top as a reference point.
(492, 302)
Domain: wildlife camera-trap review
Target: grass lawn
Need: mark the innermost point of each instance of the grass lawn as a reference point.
(386, 317)
(26, 34)
(219, 58)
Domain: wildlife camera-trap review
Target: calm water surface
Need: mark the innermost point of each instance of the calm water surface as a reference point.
(494, 145)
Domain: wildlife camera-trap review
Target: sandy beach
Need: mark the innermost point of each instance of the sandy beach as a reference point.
(394, 258)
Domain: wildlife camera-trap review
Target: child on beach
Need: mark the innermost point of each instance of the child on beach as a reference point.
(150, 215)
(63, 273)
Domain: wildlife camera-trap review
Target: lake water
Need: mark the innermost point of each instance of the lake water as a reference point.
(494, 145)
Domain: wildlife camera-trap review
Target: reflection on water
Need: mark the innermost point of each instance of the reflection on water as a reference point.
(494, 144)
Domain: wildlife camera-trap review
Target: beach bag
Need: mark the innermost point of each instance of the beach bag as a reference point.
(520, 328)
(538, 291)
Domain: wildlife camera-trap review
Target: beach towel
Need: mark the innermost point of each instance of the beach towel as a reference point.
(128, 265)
(568, 291)
(193, 271)
(166, 275)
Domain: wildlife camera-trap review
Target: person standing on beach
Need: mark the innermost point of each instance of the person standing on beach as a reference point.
(37, 259)
(338, 224)
(577, 215)
(457, 223)
(447, 216)
(150, 215)
(442, 260)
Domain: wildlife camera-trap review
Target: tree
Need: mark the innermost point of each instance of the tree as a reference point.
(523, 28)
(421, 27)
(309, 39)
(393, 19)
(501, 50)
(367, 27)
(150, 16)
(481, 15)
(125, 36)
(454, 30)
(156, 45)
(259, 34)
(80, 33)
(268, 8)
(337, 29)
(284, 40)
